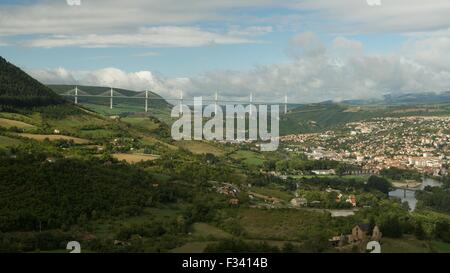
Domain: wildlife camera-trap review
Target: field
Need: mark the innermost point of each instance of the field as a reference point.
(76, 140)
(249, 158)
(273, 192)
(121, 108)
(200, 147)
(35, 118)
(141, 122)
(8, 123)
(76, 123)
(281, 224)
(205, 234)
(440, 247)
(203, 230)
(134, 158)
(8, 142)
(191, 247)
(406, 244)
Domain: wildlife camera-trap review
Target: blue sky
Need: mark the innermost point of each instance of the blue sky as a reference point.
(309, 49)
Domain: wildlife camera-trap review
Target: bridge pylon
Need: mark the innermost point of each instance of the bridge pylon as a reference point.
(111, 99)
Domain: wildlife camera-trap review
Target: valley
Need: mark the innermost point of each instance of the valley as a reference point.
(116, 181)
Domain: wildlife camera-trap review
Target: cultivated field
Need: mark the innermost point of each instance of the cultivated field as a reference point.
(199, 147)
(8, 123)
(134, 158)
(8, 142)
(76, 140)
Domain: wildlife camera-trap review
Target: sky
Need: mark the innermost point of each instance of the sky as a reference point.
(309, 50)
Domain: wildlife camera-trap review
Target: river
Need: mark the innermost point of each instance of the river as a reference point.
(411, 194)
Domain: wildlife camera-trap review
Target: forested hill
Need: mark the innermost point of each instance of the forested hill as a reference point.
(18, 89)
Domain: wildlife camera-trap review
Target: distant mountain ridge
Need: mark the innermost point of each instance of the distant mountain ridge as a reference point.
(18, 89)
(418, 98)
(404, 99)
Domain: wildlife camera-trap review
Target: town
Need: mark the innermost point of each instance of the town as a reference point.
(417, 143)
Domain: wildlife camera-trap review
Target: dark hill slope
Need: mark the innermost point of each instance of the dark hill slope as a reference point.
(18, 89)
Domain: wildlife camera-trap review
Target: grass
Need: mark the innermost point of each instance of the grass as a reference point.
(200, 147)
(8, 123)
(406, 244)
(134, 158)
(33, 119)
(191, 247)
(97, 133)
(37, 137)
(440, 247)
(249, 158)
(8, 142)
(281, 224)
(273, 192)
(121, 108)
(204, 230)
(107, 228)
(141, 122)
(76, 123)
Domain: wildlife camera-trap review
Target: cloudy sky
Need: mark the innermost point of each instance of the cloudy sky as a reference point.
(311, 50)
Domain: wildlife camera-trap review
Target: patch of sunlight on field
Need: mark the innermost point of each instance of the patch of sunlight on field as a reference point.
(76, 140)
(200, 147)
(273, 192)
(75, 123)
(135, 158)
(8, 123)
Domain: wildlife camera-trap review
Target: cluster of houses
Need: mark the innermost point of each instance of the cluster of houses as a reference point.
(303, 202)
(361, 234)
(229, 190)
(418, 143)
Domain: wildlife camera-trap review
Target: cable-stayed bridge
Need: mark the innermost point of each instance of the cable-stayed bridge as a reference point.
(114, 94)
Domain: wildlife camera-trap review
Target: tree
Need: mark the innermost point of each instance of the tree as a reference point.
(391, 227)
(442, 230)
(419, 232)
(379, 183)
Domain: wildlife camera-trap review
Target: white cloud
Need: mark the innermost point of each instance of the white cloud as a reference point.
(53, 76)
(347, 47)
(112, 77)
(106, 16)
(355, 16)
(311, 76)
(306, 43)
(168, 36)
(104, 23)
(433, 52)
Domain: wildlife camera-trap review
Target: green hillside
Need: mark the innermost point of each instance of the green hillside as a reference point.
(158, 107)
(18, 89)
(319, 117)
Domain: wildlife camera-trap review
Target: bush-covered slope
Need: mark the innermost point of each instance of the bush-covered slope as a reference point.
(36, 193)
(18, 89)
